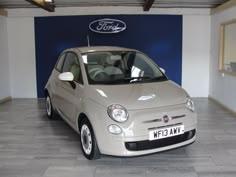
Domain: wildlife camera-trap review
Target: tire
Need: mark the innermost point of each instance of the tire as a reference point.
(88, 141)
(49, 108)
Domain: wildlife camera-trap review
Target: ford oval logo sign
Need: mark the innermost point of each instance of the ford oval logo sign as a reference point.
(107, 25)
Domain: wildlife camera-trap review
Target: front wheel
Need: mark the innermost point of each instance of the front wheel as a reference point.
(49, 108)
(88, 141)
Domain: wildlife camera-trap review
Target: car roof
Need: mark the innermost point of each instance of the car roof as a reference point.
(102, 48)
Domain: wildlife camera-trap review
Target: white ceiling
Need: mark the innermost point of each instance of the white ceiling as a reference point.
(157, 3)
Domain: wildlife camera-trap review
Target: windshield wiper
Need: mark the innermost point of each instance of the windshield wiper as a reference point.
(160, 78)
(126, 80)
(134, 80)
(147, 78)
(137, 79)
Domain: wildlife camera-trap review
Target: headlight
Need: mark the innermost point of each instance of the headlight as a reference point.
(117, 113)
(189, 104)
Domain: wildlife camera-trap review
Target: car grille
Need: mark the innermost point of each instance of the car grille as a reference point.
(146, 144)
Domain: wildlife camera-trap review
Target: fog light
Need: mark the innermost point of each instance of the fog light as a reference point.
(191, 134)
(114, 129)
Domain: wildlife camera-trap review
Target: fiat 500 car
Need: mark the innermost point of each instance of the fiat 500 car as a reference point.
(120, 102)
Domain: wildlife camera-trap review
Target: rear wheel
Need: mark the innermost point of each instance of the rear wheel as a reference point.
(88, 141)
(49, 108)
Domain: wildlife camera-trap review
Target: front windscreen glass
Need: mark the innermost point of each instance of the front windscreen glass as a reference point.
(120, 67)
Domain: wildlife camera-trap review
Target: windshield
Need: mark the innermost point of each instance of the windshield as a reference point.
(120, 67)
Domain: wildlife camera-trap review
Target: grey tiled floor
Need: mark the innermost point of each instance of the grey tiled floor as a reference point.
(33, 146)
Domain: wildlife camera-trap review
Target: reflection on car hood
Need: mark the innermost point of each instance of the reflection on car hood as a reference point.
(138, 96)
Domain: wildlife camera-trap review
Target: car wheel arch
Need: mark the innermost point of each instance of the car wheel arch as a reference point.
(46, 92)
(81, 116)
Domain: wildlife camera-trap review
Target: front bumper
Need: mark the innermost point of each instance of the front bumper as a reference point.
(134, 140)
(147, 145)
(136, 148)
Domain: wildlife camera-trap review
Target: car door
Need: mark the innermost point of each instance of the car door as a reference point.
(68, 99)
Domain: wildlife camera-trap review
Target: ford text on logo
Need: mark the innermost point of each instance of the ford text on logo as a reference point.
(107, 25)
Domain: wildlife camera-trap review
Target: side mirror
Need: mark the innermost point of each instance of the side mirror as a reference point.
(66, 76)
(163, 70)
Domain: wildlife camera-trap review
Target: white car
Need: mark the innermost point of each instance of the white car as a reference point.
(120, 102)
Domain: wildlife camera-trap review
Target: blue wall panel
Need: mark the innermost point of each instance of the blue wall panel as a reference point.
(159, 36)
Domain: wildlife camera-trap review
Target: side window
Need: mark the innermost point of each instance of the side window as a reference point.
(72, 65)
(60, 62)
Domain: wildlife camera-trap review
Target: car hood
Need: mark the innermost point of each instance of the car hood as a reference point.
(137, 95)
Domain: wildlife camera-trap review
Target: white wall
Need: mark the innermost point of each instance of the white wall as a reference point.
(223, 89)
(22, 57)
(4, 60)
(196, 27)
(196, 54)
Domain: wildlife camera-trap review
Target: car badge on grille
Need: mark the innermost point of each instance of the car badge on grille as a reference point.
(166, 118)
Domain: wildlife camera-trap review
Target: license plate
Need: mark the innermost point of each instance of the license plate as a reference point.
(166, 132)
